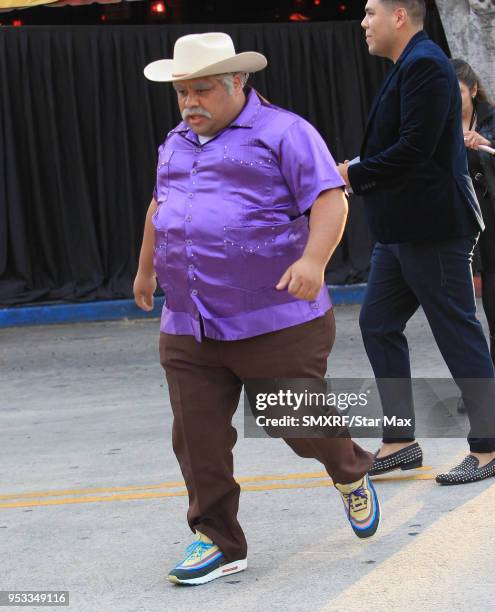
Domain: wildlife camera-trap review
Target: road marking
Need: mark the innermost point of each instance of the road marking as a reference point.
(169, 485)
(320, 479)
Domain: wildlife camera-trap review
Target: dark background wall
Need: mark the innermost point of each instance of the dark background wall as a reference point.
(189, 11)
(80, 125)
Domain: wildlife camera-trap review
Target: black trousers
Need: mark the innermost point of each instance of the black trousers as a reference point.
(438, 277)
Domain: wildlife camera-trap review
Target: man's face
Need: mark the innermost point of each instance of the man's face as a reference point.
(205, 104)
(379, 25)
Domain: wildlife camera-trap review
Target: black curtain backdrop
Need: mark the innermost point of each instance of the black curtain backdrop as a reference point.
(80, 126)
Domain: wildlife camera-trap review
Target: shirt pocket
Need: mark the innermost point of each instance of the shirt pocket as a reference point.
(163, 175)
(257, 256)
(248, 175)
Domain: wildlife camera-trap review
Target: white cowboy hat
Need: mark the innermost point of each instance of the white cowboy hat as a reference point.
(197, 55)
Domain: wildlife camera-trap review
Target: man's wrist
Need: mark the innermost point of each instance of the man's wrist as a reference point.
(315, 259)
(350, 171)
(146, 273)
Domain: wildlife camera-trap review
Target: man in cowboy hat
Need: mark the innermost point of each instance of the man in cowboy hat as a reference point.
(243, 275)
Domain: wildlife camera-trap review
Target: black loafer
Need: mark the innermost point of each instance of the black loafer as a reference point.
(467, 471)
(407, 458)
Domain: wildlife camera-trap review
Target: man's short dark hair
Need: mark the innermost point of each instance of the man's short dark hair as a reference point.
(416, 9)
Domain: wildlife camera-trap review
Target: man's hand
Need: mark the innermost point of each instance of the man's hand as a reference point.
(344, 172)
(303, 279)
(143, 289)
(473, 140)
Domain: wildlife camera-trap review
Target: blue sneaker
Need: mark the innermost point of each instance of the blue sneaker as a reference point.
(204, 562)
(362, 507)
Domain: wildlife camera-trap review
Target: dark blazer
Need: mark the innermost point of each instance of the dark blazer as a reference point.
(413, 174)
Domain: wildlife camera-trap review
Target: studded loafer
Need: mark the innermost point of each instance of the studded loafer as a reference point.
(407, 458)
(467, 471)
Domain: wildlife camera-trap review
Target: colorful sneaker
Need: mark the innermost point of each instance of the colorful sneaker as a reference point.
(362, 507)
(204, 562)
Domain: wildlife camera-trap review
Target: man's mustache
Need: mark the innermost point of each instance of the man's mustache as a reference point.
(195, 110)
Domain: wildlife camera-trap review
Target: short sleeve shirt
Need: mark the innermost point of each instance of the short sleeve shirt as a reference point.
(231, 219)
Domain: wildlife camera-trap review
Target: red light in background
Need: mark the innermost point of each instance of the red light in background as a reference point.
(103, 17)
(17, 22)
(343, 8)
(158, 7)
(317, 2)
(298, 17)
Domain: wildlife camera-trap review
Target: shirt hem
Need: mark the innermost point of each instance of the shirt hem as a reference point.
(240, 327)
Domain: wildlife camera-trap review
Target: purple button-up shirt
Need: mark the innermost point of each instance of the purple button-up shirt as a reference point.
(230, 221)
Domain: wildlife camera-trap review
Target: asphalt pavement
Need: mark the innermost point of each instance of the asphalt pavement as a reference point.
(92, 500)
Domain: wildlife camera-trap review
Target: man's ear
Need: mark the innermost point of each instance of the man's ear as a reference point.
(237, 83)
(401, 17)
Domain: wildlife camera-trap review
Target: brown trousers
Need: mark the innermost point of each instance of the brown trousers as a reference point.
(205, 383)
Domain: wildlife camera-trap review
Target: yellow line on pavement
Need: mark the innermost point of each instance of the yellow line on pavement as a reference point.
(63, 492)
(164, 485)
(156, 495)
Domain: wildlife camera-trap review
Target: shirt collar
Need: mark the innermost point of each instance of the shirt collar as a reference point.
(248, 114)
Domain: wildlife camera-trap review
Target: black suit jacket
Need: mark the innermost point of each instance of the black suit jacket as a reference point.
(413, 172)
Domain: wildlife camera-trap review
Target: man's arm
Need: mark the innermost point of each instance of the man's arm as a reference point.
(304, 278)
(145, 281)
(425, 103)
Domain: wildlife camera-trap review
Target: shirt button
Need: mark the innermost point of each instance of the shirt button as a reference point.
(191, 267)
(190, 195)
(188, 242)
(194, 171)
(194, 292)
(315, 305)
(188, 218)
